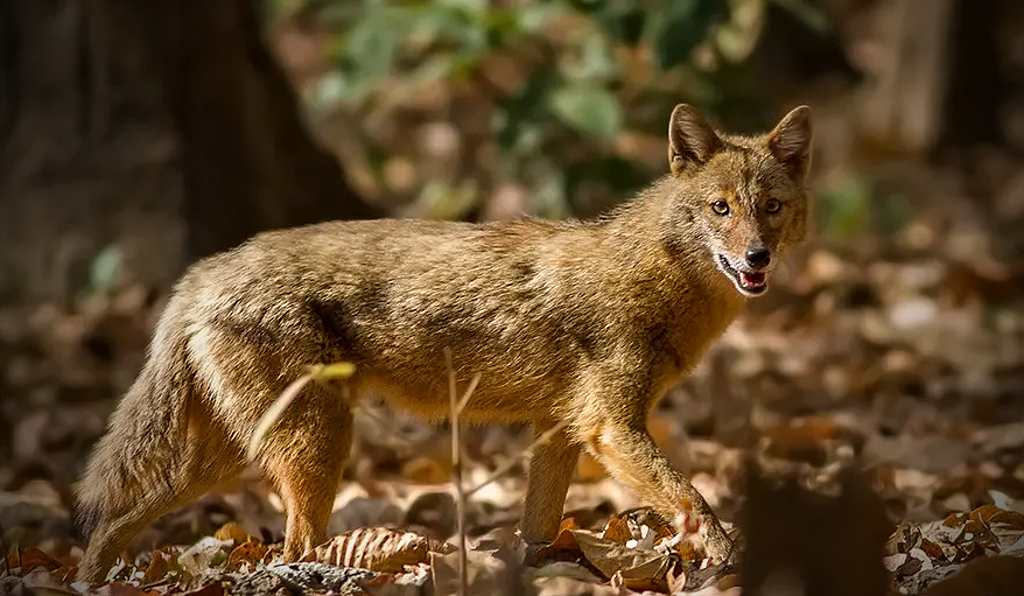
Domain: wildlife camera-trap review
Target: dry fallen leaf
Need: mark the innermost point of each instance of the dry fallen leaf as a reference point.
(617, 530)
(26, 559)
(988, 576)
(964, 536)
(204, 556)
(377, 549)
(425, 470)
(247, 555)
(160, 564)
(231, 531)
(639, 568)
(563, 546)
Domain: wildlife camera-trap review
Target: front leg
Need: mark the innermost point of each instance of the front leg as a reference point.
(623, 445)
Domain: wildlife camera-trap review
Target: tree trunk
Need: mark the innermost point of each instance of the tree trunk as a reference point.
(904, 103)
(162, 128)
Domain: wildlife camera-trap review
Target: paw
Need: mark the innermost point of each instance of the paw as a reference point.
(718, 546)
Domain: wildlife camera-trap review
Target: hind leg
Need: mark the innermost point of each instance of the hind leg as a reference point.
(550, 473)
(305, 456)
(209, 459)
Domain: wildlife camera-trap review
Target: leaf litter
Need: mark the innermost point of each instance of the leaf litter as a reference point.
(906, 367)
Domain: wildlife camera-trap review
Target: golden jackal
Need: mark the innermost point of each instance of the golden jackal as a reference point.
(584, 322)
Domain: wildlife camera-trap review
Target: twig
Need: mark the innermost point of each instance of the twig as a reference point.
(503, 469)
(274, 412)
(317, 372)
(456, 406)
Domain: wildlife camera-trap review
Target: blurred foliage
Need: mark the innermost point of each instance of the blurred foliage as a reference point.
(856, 203)
(579, 91)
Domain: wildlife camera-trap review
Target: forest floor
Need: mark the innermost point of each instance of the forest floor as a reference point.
(887, 358)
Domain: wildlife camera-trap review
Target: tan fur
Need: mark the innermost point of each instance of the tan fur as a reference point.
(588, 322)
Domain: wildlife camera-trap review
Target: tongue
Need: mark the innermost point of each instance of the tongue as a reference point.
(752, 279)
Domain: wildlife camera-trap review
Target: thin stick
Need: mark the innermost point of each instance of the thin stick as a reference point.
(456, 406)
(316, 372)
(469, 393)
(503, 469)
(460, 497)
(274, 412)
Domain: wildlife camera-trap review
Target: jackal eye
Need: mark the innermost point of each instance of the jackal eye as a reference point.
(720, 207)
(773, 206)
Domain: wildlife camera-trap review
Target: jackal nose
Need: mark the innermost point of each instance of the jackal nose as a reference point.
(758, 257)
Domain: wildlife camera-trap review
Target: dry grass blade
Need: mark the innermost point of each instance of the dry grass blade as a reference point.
(456, 406)
(316, 372)
(377, 549)
(274, 412)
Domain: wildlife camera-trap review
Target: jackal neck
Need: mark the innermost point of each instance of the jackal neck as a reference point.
(656, 232)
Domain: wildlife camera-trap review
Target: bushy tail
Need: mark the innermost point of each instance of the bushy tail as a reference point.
(140, 454)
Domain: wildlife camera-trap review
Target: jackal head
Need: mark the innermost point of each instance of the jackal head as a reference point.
(744, 198)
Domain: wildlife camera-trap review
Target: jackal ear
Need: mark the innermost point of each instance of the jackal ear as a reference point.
(691, 140)
(790, 142)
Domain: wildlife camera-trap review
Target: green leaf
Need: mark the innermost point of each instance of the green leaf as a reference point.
(684, 25)
(625, 25)
(328, 91)
(440, 199)
(587, 6)
(590, 110)
(371, 46)
(596, 60)
(845, 207)
(737, 38)
(525, 107)
(534, 18)
(105, 269)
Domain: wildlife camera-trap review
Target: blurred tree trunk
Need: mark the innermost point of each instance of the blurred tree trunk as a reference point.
(940, 79)
(980, 80)
(165, 128)
(904, 102)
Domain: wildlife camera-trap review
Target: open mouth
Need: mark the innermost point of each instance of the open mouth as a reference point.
(749, 283)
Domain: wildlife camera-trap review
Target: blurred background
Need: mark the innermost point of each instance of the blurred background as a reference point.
(136, 137)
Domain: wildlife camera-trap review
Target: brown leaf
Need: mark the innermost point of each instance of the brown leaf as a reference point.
(377, 549)
(159, 565)
(231, 531)
(568, 523)
(1005, 526)
(425, 470)
(617, 530)
(611, 558)
(646, 516)
(906, 537)
(803, 439)
(204, 556)
(564, 545)
(962, 536)
(29, 558)
(247, 553)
